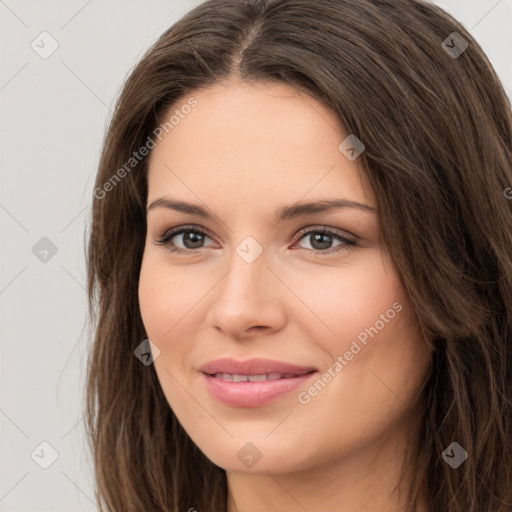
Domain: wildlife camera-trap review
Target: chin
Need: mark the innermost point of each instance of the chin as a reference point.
(258, 457)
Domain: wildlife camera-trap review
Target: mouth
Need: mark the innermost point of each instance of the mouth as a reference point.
(253, 383)
(233, 377)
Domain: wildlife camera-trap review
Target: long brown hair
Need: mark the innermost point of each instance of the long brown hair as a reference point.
(437, 130)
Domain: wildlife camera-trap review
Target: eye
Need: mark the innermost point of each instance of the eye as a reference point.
(193, 239)
(321, 240)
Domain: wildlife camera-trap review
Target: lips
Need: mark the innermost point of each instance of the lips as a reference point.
(238, 377)
(253, 383)
(253, 367)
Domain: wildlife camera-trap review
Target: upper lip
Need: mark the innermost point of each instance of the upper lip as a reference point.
(255, 366)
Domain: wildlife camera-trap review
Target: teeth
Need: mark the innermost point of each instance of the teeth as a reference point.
(230, 377)
(256, 378)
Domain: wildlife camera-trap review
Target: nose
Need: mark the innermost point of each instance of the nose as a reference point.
(248, 300)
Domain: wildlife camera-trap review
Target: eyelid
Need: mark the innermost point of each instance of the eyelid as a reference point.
(169, 233)
(305, 230)
(347, 240)
(327, 229)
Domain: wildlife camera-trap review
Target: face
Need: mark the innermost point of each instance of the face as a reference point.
(286, 338)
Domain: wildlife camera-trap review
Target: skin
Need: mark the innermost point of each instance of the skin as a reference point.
(243, 152)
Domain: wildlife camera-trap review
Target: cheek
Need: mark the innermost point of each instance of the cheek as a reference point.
(372, 327)
(152, 300)
(170, 305)
(164, 297)
(384, 355)
(347, 299)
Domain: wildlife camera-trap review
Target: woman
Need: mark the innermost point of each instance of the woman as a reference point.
(300, 271)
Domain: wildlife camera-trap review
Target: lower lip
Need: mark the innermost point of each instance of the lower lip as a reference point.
(253, 394)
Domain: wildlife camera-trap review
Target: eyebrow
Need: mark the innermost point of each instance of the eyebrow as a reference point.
(283, 213)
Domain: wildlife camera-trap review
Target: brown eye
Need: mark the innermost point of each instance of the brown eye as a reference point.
(189, 238)
(321, 240)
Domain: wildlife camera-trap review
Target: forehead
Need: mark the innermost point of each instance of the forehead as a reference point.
(254, 141)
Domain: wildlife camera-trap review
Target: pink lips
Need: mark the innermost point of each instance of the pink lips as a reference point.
(254, 382)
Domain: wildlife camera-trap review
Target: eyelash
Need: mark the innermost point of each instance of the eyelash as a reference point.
(166, 237)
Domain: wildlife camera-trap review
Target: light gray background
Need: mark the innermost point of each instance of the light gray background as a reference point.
(54, 113)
